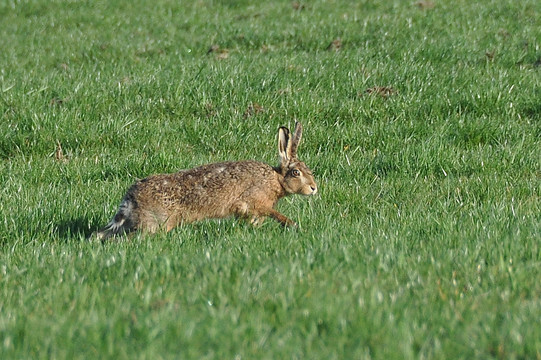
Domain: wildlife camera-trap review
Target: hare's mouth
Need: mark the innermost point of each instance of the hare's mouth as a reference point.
(309, 190)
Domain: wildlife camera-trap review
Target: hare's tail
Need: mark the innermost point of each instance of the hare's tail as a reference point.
(121, 223)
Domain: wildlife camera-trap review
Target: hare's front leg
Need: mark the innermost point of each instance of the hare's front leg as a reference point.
(257, 212)
(281, 218)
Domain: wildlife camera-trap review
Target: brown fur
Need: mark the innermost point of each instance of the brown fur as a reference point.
(246, 189)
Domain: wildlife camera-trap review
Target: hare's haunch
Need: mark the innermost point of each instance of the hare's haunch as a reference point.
(247, 189)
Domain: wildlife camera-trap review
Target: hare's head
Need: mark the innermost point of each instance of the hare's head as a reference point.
(297, 177)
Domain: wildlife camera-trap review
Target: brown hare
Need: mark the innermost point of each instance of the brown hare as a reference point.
(246, 189)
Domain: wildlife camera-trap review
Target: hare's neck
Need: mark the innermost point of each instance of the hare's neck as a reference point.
(281, 189)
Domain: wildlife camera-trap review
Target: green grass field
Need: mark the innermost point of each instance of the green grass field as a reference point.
(422, 126)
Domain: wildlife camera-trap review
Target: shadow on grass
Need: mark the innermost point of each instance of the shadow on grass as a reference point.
(75, 228)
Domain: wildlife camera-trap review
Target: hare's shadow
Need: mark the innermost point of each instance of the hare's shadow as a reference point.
(74, 228)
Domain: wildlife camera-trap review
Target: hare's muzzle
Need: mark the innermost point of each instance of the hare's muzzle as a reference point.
(309, 189)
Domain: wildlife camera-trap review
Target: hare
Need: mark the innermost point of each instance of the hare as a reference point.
(246, 189)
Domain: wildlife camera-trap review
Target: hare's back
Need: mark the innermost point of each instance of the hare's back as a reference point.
(210, 184)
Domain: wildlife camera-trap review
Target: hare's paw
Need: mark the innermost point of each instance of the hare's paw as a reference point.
(257, 220)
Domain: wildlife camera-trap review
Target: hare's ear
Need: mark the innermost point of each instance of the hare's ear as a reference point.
(283, 144)
(294, 143)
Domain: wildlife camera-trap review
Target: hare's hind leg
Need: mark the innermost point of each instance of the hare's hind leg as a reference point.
(157, 220)
(257, 220)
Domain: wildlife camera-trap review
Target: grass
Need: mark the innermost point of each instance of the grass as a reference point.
(423, 242)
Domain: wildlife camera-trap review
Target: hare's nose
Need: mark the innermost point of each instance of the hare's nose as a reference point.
(314, 189)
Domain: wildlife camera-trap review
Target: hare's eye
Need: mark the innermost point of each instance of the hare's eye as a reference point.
(295, 173)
